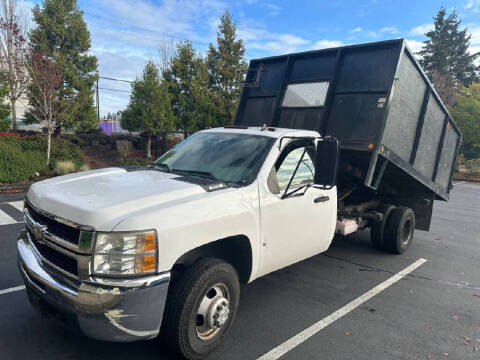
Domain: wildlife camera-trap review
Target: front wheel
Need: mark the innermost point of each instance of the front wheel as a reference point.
(201, 307)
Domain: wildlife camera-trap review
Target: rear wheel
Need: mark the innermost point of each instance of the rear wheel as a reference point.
(399, 230)
(201, 307)
(377, 230)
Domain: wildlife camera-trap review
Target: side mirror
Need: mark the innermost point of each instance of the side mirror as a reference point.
(326, 162)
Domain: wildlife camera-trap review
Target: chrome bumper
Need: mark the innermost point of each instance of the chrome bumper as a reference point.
(104, 309)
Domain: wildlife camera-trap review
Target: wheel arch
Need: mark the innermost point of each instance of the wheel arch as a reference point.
(236, 250)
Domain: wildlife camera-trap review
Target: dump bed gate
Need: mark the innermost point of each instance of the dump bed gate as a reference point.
(373, 97)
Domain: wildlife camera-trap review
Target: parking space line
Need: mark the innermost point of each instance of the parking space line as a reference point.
(296, 340)
(6, 219)
(17, 205)
(12, 212)
(16, 288)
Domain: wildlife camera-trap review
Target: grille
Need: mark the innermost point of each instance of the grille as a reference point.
(306, 94)
(55, 228)
(63, 261)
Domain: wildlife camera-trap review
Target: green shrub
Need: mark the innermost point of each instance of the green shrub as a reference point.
(17, 165)
(4, 125)
(62, 149)
(21, 159)
(63, 167)
(139, 161)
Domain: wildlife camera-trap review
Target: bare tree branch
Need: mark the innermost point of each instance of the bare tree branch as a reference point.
(13, 50)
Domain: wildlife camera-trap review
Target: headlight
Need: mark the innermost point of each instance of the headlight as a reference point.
(128, 253)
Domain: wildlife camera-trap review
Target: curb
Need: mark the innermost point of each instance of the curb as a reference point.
(467, 180)
(14, 188)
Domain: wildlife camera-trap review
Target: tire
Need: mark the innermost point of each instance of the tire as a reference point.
(399, 230)
(377, 230)
(182, 328)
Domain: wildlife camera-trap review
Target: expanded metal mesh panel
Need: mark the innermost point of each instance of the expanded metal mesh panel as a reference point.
(306, 94)
(405, 109)
(429, 138)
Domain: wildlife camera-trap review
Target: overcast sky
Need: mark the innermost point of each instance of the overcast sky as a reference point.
(125, 32)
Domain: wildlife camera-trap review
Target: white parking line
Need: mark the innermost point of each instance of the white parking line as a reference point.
(6, 219)
(296, 340)
(17, 205)
(16, 288)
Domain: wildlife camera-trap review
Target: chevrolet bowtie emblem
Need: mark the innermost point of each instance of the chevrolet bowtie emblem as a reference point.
(38, 230)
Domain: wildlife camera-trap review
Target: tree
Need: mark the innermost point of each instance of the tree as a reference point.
(445, 56)
(466, 113)
(149, 110)
(166, 51)
(4, 109)
(188, 83)
(62, 35)
(13, 51)
(47, 106)
(226, 65)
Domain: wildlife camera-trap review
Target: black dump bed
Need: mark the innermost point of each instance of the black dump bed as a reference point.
(393, 128)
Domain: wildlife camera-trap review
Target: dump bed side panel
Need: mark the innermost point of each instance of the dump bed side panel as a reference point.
(420, 137)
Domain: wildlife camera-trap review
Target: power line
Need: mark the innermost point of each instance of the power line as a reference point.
(102, 88)
(113, 79)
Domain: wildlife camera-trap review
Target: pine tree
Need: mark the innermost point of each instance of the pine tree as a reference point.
(149, 110)
(445, 53)
(61, 34)
(188, 84)
(226, 65)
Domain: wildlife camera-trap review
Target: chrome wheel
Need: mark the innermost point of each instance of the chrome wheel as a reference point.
(213, 311)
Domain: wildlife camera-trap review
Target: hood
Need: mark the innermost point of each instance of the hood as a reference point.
(102, 198)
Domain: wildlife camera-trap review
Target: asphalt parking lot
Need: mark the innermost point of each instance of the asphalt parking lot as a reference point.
(432, 313)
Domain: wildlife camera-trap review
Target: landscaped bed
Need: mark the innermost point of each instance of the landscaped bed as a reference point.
(23, 154)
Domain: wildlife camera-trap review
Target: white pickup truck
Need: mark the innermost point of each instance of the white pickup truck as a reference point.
(125, 253)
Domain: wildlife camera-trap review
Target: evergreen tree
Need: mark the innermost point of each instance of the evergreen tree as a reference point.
(4, 108)
(445, 52)
(466, 113)
(149, 110)
(226, 65)
(61, 34)
(188, 83)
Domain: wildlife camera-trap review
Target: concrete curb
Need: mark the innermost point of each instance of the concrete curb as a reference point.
(14, 188)
(467, 179)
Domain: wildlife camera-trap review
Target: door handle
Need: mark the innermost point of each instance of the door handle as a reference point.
(321, 199)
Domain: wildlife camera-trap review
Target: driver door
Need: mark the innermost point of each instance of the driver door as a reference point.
(298, 226)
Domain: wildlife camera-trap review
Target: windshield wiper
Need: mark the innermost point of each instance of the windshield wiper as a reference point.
(165, 165)
(200, 173)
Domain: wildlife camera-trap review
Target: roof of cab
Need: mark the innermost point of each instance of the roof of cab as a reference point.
(269, 132)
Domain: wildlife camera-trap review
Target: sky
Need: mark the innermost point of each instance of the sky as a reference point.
(125, 33)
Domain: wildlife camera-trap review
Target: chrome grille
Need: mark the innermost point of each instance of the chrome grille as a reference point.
(55, 228)
(60, 260)
(65, 248)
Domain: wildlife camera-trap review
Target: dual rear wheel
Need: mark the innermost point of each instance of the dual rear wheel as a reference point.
(395, 232)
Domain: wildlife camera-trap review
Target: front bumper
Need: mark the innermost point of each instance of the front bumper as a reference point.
(103, 309)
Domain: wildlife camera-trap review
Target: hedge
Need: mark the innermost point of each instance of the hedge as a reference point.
(21, 159)
(17, 165)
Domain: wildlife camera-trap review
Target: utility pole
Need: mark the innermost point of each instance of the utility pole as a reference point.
(98, 100)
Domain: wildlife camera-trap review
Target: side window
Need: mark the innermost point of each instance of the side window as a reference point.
(305, 172)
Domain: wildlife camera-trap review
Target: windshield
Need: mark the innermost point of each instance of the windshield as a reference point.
(231, 158)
